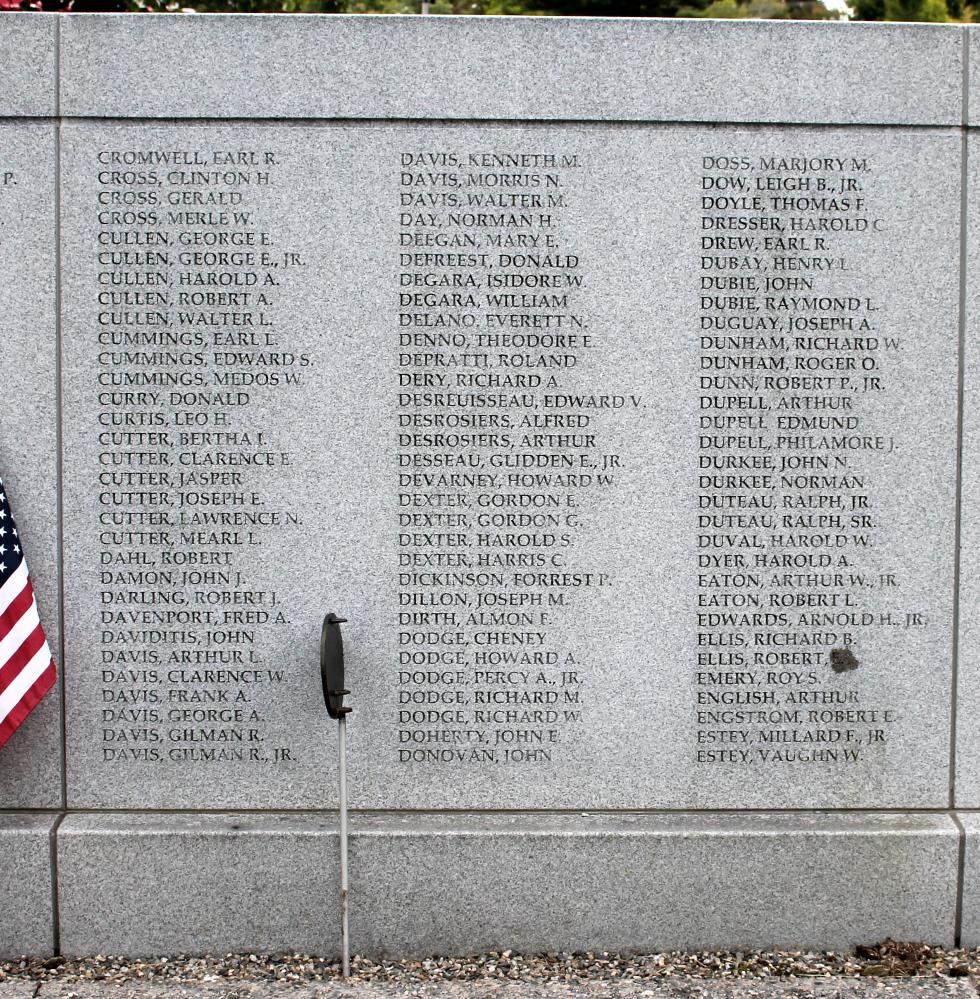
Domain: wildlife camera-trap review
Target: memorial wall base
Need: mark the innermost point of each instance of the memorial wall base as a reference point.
(464, 883)
(27, 923)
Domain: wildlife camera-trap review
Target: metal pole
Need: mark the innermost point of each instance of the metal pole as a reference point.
(344, 882)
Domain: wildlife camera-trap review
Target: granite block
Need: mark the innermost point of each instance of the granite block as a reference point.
(165, 884)
(31, 775)
(510, 68)
(27, 924)
(465, 883)
(602, 639)
(18, 990)
(967, 768)
(28, 86)
(970, 921)
(972, 89)
(457, 884)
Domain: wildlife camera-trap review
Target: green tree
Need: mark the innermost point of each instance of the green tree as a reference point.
(237, 6)
(906, 10)
(782, 10)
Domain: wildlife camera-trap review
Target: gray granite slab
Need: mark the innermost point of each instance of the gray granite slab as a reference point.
(781, 665)
(26, 900)
(967, 775)
(28, 86)
(17, 990)
(651, 883)
(972, 95)
(197, 883)
(971, 878)
(31, 774)
(510, 68)
(466, 883)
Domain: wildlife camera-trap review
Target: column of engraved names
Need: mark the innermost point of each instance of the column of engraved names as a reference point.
(189, 349)
(794, 368)
(497, 455)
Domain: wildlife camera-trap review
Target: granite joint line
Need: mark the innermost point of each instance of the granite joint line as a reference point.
(55, 893)
(16, 810)
(503, 813)
(59, 502)
(957, 522)
(59, 420)
(960, 879)
(960, 404)
(281, 120)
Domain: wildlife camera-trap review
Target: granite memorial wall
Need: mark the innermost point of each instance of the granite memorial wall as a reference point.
(614, 379)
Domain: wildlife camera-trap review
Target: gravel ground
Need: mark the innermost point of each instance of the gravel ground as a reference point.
(891, 960)
(916, 987)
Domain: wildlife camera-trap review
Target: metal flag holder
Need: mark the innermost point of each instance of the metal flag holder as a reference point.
(332, 678)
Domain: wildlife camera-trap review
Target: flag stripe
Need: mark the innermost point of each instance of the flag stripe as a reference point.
(25, 680)
(11, 589)
(27, 671)
(14, 638)
(27, 651)
(27, 703)
(18, 606)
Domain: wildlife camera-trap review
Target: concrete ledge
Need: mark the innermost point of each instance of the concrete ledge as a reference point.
(27, 65)
(973, 69)
(159, 884)
(651, 882)
(970, 924)
(967, 786)
(510, 68)
(27, 924)
(461, 883)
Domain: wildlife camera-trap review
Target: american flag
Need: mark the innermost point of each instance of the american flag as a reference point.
(26, 666)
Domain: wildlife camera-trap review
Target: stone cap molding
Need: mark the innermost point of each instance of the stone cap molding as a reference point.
(507, 68)
(28, 65)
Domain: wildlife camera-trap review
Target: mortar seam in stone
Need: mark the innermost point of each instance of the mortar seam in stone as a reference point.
(55, 892)
(960, 872)
(374, 121)
(59, 419)
(960, 407)
(935, 811)
(59, 503)
(536, 814)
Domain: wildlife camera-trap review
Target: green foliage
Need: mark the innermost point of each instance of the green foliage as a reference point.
(446, 7)
(781, 9)
(797, 10)
(240, 6)
(863, 10)
(337, 6)
(407, 7)
(916, 10)
(907, 10)
(566, 8)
